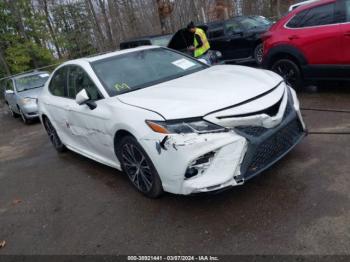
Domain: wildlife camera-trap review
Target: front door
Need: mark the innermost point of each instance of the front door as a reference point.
(11, 97)
(238, 46)
(88, 127)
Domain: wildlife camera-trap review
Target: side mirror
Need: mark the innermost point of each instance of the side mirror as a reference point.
(9, 92)
(83, 98)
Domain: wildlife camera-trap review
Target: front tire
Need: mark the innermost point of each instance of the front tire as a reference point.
(55, 140)
(138, 167)
(290, 71)
(13, 114)
(25, 120)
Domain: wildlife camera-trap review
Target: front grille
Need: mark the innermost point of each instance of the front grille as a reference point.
(272, 148)
(257, 131)
(252, 130)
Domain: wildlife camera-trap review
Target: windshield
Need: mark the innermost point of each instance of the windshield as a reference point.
(250, 23)
(31, 82)
(263, 20)
(135, 70)
(161, 41)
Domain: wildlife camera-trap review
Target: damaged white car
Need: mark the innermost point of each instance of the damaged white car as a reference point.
(170, 122)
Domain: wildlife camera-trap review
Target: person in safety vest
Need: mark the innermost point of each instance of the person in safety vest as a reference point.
(200, 42)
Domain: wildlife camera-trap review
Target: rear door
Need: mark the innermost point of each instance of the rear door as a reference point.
(316, 32)
(57, 104)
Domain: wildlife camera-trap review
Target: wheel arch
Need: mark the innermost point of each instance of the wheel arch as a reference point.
(282, 52)
(119, 134)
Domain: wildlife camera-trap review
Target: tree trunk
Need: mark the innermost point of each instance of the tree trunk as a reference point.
(116, 25)
(49, 25)
(106, 22)
(100, 37)
(4, 64)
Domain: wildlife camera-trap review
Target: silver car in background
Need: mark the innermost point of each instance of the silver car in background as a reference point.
(21, 92)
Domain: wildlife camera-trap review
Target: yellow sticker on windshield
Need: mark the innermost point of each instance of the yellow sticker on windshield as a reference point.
(121, 87)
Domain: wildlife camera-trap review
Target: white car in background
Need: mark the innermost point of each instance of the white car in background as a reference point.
(170, 122)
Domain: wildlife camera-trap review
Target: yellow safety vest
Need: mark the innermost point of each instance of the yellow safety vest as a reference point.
(205, 47)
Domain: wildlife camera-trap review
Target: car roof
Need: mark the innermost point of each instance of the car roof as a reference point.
(28, 74)
(110, 54)
(237, 18)
(311, 4)
(292, 7)
(148, 37)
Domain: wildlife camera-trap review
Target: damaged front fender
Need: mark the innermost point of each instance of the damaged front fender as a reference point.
(174, 153)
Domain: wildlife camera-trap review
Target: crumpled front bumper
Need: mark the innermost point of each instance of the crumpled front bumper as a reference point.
(240, 154)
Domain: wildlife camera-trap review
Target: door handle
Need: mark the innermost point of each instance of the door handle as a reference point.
(293, 37)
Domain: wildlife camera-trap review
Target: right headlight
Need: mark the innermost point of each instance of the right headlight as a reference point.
(184, 127)
(27, 100)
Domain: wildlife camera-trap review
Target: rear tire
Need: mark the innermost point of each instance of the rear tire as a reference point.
(290, 71)
(259, 54)
(55, 140)
(139, 167)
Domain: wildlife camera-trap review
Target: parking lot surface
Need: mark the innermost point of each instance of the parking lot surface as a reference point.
(54, 203)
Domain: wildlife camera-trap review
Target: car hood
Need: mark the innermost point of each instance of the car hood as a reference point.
(201, 93)
(32, 93)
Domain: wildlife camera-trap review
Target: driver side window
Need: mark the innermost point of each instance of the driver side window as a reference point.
(9, 85)
(232, 27)
(78, 80)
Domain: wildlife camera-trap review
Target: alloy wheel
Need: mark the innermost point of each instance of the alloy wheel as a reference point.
(259, 54)
(55, 140)
(289, 71)
(137, 167)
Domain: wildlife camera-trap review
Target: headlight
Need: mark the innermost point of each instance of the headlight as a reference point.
(184, 127)
(27, 100)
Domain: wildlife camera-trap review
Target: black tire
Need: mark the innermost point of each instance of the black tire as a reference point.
(259, 54)
(55, 140)
(290, 71)
(139, 167)
(13, 114)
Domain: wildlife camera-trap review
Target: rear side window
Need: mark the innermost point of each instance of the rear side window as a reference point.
(317, 16)
(58, 82)
(78, 80)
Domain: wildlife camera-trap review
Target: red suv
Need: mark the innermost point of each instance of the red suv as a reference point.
(312, 43)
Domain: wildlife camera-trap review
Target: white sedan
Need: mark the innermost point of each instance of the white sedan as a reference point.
(170, 122)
